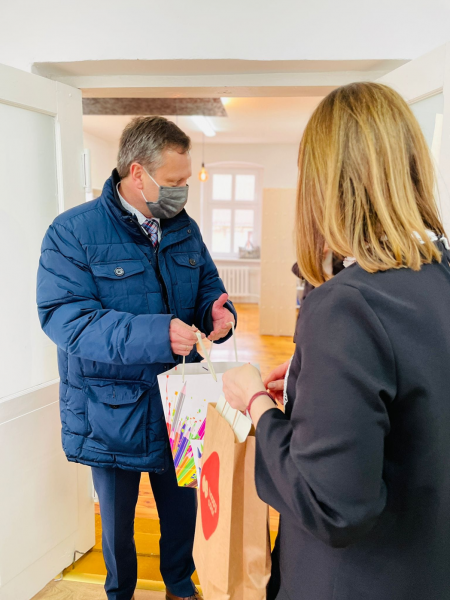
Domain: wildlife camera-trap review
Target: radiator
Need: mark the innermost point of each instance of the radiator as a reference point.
(236, 281)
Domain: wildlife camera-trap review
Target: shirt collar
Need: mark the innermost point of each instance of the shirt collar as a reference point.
(350, 260)
(134, 211)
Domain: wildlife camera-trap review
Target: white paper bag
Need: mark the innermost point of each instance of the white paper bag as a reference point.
(185, 402)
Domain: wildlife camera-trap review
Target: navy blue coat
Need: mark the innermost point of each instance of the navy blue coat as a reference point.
(106, 299)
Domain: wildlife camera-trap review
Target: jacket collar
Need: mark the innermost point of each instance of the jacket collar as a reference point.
(111, 201)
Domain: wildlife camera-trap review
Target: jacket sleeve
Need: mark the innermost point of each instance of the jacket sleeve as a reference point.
(325, 465)
(72, 315)
(210, 289)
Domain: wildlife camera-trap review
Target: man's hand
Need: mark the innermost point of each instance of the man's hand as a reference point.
(222, 318)
(182, 337)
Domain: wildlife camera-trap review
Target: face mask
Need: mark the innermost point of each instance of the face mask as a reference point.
(171, 200)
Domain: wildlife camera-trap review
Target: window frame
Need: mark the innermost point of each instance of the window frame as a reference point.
(231, 168)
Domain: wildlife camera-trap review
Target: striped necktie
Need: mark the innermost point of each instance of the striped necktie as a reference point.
(151, 227)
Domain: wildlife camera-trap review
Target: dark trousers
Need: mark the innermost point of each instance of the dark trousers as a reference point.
(118, 490)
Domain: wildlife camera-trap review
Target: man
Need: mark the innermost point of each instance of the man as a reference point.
(124, 283)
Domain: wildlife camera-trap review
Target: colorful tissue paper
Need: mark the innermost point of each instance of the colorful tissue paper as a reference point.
(185, 396)
(185, 405)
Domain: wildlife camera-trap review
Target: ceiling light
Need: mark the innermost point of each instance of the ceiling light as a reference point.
(203, 175)
(205, 125)
(225, 101)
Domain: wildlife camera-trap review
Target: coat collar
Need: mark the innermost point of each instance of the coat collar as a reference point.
(111, 201)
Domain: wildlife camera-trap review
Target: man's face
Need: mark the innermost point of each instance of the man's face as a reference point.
(174, 172)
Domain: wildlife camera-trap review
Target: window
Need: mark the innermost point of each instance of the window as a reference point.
(232, 208)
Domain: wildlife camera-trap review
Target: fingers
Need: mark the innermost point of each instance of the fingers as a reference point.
(276, 389)
(218, 334)
(279, 396)
(221, 301)
(276, 374)
(182, 337)
(276, 386)
(181, 331)
(181, 349)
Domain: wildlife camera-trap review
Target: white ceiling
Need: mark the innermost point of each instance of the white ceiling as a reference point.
(249, 121)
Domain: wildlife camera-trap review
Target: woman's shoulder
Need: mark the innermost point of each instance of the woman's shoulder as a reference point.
(344, 289)
(387, 292)
(348, 281)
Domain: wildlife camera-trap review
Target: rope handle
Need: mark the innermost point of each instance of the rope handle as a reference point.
(234, 341)
(208, 354)
(202, 346)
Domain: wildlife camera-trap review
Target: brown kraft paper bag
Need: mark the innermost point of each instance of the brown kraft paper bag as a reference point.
(232, 545)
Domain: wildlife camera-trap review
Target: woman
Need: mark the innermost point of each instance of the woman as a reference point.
(359, 463)
(332, 264)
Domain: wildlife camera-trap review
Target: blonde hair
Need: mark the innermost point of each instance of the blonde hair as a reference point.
(366, 184)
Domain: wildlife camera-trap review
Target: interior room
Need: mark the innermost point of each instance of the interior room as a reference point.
(242, 194)
(244, 100)
(253, 141)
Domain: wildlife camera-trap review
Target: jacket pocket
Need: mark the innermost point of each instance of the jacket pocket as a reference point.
(121, 285)
(187, 269)
(117, 416)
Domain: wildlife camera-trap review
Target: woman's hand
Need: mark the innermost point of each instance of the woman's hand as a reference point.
(240, 384)
(275, 381)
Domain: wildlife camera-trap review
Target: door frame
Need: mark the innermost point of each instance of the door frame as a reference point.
(24, 575)
(36, 93)
(422, 78)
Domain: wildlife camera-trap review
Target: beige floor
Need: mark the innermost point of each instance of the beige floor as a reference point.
(70, 590)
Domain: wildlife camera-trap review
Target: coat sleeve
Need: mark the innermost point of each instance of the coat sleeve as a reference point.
(210, 289)
(325, 465)
(72, 315)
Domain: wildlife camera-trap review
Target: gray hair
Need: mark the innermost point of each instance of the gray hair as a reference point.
(143, 141)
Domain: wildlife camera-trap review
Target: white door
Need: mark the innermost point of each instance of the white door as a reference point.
(46, 505)
(425, 84)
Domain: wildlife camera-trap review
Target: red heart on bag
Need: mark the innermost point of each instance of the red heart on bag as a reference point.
(209, 495)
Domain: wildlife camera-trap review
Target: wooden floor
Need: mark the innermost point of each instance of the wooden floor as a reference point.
(268, 352)
(71, 590)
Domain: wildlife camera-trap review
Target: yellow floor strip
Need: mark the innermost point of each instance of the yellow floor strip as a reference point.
(142, 584)
(91, 568)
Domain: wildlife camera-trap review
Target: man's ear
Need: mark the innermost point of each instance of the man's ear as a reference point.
(136, 175)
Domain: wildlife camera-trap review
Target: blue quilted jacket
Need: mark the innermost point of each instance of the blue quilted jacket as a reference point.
(106, 299)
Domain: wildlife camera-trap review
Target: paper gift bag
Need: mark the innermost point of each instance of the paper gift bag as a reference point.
(232, 547)
(186, 392)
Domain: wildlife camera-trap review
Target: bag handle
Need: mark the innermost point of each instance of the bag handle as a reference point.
(208, 354)
(202, 346)
(234, 341)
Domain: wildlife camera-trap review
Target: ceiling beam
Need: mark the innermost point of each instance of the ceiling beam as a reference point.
(209, 107)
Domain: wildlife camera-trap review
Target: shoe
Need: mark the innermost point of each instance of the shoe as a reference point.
(195, 596)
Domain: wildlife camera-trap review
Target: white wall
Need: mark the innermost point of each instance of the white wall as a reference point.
(279, 162)
(280, 172)
(51, 30)
(103, 158)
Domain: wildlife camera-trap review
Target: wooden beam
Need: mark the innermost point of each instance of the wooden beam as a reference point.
(209, 107)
